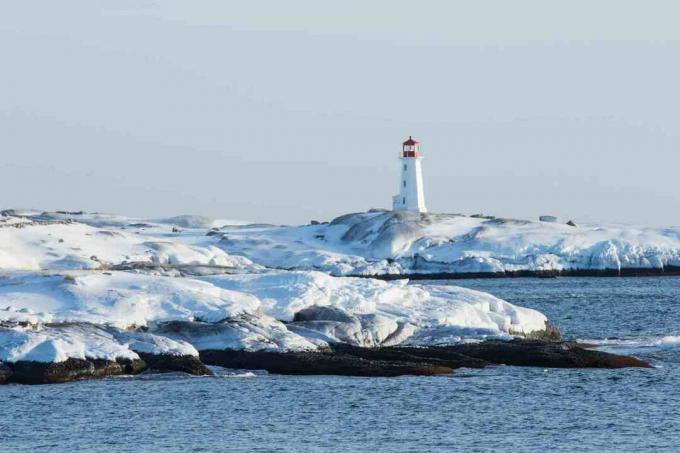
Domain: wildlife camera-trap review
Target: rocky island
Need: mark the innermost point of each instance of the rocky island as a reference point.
(92, 295)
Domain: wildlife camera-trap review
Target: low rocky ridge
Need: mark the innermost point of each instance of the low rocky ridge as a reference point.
(545, 354)
(346, 360)
(339, 359)
(66, 351)
(320, 363)
(175, 363)
(32, 372)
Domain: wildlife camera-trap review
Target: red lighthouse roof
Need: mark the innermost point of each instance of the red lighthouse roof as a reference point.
(410, 141)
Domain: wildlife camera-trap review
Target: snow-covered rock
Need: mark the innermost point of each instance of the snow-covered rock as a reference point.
(90, 295)
(97, 314)
(382, 309)
(59, 342)
(61, 241)
(121, 299)
(384, 242)
(244, 332)
(370, 243)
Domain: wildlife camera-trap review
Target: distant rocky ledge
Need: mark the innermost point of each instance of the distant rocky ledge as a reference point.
(340, 359)
(668, 271)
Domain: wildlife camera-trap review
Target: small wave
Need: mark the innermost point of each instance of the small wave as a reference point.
(670, 339)
(234, 373)
(635, 345)
(247, 374)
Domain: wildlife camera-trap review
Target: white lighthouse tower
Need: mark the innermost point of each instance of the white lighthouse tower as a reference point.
(411, 196)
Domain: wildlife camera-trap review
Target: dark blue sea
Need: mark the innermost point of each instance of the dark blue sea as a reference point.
(495, 409)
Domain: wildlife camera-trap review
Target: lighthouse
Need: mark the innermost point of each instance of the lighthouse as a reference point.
(411, 196)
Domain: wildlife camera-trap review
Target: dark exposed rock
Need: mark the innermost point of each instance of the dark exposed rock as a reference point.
(551, 333)
(340, 359)
(318, 363)
(433, 355)
(668, 270)
(346, 360)
(5, 373)
(28, 372)
(545, 354)
(169, 363)
(322, 313)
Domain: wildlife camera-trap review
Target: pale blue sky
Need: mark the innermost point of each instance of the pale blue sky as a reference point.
(287, 111)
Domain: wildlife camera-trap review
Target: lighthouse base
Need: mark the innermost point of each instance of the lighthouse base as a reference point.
(399, 204)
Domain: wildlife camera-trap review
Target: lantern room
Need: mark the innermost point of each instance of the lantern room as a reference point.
(410, 148)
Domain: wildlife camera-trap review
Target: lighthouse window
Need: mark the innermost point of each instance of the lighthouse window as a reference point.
(404, 167)
(403, 201)
(404, 183)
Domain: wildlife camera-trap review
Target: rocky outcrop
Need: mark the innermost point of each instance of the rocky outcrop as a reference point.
(551, 333)
(5, 373)
(319, 363)
(545, 354)
(175, 363)
(347, 360)
(667, 271)
(339, 359)
(29, 372)
(432, 355)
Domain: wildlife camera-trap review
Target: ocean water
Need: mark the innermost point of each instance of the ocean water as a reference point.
(495, 409)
